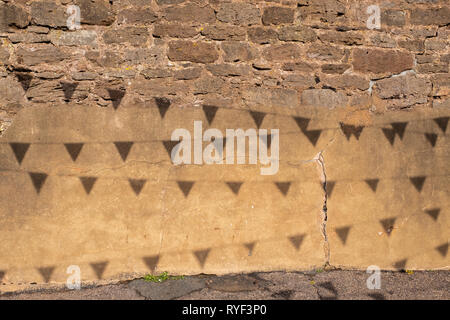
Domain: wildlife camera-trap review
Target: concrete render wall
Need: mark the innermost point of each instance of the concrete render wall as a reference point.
(87, 116)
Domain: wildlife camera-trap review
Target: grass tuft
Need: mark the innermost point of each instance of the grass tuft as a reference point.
(162, 277)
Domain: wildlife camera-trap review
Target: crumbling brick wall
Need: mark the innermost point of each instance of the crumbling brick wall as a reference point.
(279, 53)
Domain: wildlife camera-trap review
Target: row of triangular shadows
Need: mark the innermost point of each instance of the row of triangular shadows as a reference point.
(88, 182)
(124, 147)
(258, 117)
(115, 95)
(442, 249)
(387, 224)
(39, 179)
(417, 182)
(20, 149)
(186, 186)
(398, 128)
(98, 267)
(202, 255)
(152, 261)
(47, 272)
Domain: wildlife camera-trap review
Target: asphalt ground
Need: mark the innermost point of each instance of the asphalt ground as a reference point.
(314, 285)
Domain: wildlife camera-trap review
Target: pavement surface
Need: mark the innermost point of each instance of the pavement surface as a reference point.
(317, 285)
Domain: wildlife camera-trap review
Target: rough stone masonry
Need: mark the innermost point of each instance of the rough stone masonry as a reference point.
(363, 114)
(240, 53)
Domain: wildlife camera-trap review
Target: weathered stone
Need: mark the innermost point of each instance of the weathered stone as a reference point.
(43, 53)
(262, 35)
(133, 35)
(51, 91)
(228, 69)
(393, 18)
(441, 85)
(159, 87)
(445, 58)
(346, 38)
(103, 88)
(360, 99)
(168, 2)
(108, 59)
(282, 52)
(412, 45)
(189, 13)
(433, 68)
(74, 38)
(335, 68)
(188, 74)
(435, 44)
(236, 51)
(323, 98)
(38, 29)
(297, 33)
(441, 103)
(210, 84)
(443, 34)
(277, 15)
(4, 55)
(325, 52)
(206, 85)
(239, 13)
(323, 11)
(96, 12)
(424, 32)
(84, 75)
(381, 61)
(402, 86)
(137, 16)
(12, 108)
(432, 16)
(223, 33)
(194, 51)
(268, 97)
(174, 30)
(383, 40)
(154, 56)
(403, 91)
(153, 73)
(346, 81)
(49, 75)
(28, 37)
(425, 58)
(12, 15)
(12, 96)
(299, 66)
(299, 81)
(261, 65)
(121, 74)
(48, 14)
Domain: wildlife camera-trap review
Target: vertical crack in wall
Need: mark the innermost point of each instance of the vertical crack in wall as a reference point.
(324, 212)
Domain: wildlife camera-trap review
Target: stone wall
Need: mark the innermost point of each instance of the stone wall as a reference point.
(240, 53)
(86, 176)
